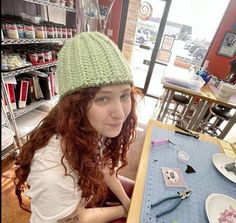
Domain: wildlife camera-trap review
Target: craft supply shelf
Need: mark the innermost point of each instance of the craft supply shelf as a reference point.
(21, 111)
(10, 114)
(30, 41)
(28, 69)
(48, 3)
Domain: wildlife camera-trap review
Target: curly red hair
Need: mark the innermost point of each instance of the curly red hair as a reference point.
(80, 144)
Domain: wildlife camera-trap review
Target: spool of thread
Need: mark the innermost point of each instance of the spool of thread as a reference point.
(183, 156)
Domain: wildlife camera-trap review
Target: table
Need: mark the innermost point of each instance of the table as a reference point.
(207, 95)
(136, 200)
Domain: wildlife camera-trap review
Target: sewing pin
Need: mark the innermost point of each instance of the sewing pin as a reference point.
(171, 142)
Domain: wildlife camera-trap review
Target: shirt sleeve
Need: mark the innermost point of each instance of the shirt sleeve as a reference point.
(53, 194)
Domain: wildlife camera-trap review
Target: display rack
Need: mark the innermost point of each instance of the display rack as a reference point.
(10, 114)
(13, 148)
(48, 3)
(9, 151)
(30, 41)
(21, 111)
(28, 69)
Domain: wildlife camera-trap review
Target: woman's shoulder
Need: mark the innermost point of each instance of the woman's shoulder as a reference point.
(49, 156)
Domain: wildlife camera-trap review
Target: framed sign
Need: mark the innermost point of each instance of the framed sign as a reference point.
(164, 55)
(167, 42)
(228, 45)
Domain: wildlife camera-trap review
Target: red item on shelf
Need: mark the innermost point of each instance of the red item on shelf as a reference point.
(23, 93)
(11, 94)
(33, 57)
(50, 32)
(64, 32)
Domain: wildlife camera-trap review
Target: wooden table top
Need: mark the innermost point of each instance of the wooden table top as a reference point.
(206, 92)
(136, 200)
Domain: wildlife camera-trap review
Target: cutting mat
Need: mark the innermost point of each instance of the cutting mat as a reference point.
(205, 181)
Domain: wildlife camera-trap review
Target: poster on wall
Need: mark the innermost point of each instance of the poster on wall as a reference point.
(228, 45)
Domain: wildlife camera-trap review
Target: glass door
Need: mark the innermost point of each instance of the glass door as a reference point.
(192, 33)
(165, 36)
(144, 30)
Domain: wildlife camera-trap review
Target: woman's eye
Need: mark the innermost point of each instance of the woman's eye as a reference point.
(102, 99)
(125, 96)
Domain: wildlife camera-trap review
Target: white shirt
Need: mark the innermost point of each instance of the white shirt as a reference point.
(53, 195)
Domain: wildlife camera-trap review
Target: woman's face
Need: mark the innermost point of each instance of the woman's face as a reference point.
(109, 109)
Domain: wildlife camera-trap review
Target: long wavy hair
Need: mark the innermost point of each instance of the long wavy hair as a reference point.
(80, 145)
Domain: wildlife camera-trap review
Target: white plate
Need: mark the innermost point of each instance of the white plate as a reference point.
(219, 160)
(216, 204)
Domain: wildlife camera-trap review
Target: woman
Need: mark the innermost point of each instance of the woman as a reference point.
(71, 159)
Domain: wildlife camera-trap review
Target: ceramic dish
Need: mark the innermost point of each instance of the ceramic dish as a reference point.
(219, 206)
(220, 160)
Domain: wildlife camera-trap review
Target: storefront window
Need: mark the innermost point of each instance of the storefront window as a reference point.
(189, 30)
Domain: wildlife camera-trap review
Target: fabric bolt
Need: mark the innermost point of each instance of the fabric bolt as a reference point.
(91, 59)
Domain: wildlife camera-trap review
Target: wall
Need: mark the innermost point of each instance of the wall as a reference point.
(114, 19)
(219, 65)
(130, 28)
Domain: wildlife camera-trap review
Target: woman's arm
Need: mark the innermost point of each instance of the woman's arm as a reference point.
(98, 215)
(116, 187)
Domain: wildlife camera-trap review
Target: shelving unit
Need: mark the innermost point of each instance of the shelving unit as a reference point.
(27, 69)
(48, 3)
(13, 116)
(32, 106)
(30, 41)
(6, 124)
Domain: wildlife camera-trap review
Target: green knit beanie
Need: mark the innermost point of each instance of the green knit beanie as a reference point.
(90, 59)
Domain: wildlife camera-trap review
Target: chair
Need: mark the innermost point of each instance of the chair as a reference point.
(174, 114)
(221, 114)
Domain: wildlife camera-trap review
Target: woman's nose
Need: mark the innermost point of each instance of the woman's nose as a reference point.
(117, 110)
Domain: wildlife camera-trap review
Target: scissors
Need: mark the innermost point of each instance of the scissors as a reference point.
(180, 196)
(187, 132)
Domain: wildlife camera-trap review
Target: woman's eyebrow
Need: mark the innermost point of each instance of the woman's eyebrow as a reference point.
(105, 92)
(110, 91)
(127, 90)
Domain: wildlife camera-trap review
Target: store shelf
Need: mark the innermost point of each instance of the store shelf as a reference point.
(28, 69)
(30, 41)
(32, 106)
(29, 121)
(4, 124)
(48, 3)
(9, 151)
(3, 120)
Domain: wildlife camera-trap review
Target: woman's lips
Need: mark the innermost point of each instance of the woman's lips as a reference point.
(114, 125)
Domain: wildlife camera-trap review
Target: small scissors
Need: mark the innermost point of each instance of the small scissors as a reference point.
(181, 196)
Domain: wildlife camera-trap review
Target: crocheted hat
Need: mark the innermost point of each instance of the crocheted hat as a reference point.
(90, 59)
